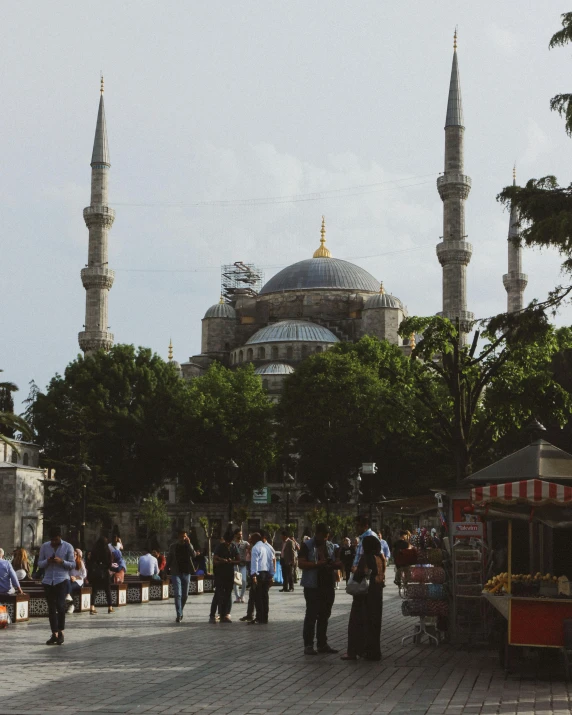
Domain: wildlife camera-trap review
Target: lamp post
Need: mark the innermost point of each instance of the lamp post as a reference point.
(328, 489)
(358, 493)
(288, 481)
(231, 464)
(84, 472)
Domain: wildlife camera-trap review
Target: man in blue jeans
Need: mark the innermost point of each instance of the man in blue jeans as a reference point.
(57, 560)
(180, 566)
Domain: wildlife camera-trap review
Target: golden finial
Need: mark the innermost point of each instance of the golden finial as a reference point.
(170, 350)
(412, 340)
(381, 289)
(221, 300)
(455, 39)
(322, 252)
(101, 83)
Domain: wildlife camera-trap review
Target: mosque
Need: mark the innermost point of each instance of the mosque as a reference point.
(311, 305)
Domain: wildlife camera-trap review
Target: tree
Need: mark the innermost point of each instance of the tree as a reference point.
(9, 422)
(477, 399)
(271, 528)
(349, 405)
(228, 417)
(156, 517)
(117, 412)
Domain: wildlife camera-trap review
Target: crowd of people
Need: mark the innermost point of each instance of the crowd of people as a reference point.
(239, 565)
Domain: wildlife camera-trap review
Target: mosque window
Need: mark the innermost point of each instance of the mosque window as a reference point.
(26, 460)
(304, 351)
(249, 354)
(289, 353)
(265, 384)
(240, 356)
(261, 353)
(274, 352)
(318, 348)
(14, 457)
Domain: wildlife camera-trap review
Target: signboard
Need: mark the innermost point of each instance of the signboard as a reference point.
(467, 529)
(261, 496)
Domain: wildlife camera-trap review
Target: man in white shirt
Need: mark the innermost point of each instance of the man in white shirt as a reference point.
(261, 574)
(148, 566)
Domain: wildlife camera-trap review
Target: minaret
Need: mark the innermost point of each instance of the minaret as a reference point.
(96, 277)
(515, 281)
(454, 252)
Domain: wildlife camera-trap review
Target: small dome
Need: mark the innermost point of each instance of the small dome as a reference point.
(293, 331)
(274, 368)
(221, 310)
(382, 300)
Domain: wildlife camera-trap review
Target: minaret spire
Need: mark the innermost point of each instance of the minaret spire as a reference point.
(454, 252)
(96, 277)
(515, 281)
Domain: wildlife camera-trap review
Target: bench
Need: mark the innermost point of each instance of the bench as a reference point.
(38, 605)
(17, 605)
(137, 591)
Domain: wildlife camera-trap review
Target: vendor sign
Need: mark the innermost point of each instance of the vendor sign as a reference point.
(467, 529)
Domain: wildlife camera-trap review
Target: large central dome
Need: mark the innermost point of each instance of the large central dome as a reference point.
(314, 273)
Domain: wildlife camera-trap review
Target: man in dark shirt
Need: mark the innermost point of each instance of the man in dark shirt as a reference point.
(180, 566)
(225, 559)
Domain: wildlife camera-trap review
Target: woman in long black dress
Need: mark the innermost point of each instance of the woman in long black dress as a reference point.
(98, 572)
(364, 627)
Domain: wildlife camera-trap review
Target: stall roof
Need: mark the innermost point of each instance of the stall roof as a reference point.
(531, 491)
(539, 460)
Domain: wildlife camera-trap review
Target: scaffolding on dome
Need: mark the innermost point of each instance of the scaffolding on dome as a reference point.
(239, 279)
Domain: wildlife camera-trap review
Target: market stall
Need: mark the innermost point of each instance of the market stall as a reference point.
(535, 606)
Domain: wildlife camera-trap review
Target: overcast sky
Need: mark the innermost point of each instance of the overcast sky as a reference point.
(336, 107)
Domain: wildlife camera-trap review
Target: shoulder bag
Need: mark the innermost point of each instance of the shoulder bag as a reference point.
(357, 588)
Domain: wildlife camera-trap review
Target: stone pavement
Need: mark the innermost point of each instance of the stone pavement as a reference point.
(139, 660)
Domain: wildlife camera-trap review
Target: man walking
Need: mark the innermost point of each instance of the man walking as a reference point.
(225, 558)
(347, 554)
(180, 566)
(318, 563)
(57, 560)
(261, 575)
(242, 546)
(288, 562)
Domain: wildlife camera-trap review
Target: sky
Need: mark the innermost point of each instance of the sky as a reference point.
(233, 126)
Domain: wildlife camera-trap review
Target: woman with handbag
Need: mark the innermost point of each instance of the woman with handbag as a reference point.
(98, 572)
(366, 584)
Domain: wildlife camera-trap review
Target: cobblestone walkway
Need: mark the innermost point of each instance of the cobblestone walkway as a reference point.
(139, 660)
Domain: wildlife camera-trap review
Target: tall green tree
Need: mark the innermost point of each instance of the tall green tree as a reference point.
(9, 422)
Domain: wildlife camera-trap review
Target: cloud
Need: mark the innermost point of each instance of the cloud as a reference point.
(505, 40)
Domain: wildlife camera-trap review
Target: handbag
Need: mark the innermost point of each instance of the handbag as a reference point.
(237, 578)
(357, 588)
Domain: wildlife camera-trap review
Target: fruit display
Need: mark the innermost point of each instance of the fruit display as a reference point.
(522, 584)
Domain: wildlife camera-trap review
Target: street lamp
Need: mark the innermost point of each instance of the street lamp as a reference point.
(231, 464)
(84, 472)
(288, 481)
(328, 489)
(358, 493)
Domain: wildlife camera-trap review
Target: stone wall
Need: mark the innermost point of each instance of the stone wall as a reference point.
(21, 502)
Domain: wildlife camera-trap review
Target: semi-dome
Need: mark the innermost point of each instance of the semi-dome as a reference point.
(293, 331)
(221, 310)
(382, 300)
(274, 368)
(328, 273)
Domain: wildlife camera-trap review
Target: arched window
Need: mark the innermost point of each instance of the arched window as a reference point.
(14, 457)
(265, 384)
(249, 354)
(240, 356)
(304, 351)
(275, 352)
(318, 348)
(289, 353)
(261, 353)
(26, 460)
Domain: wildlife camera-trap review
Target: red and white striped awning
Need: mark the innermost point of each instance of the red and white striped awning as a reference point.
(531, 491)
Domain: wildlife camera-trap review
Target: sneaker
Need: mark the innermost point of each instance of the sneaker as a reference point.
(213, 619)
(70, 608)
(309, 650)
(327, 649)
(248, 619)
(53, 640)
(181, 617)
(178, 619)
(226, 619)
(238, 600)
(69, 598)
(60, 639)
